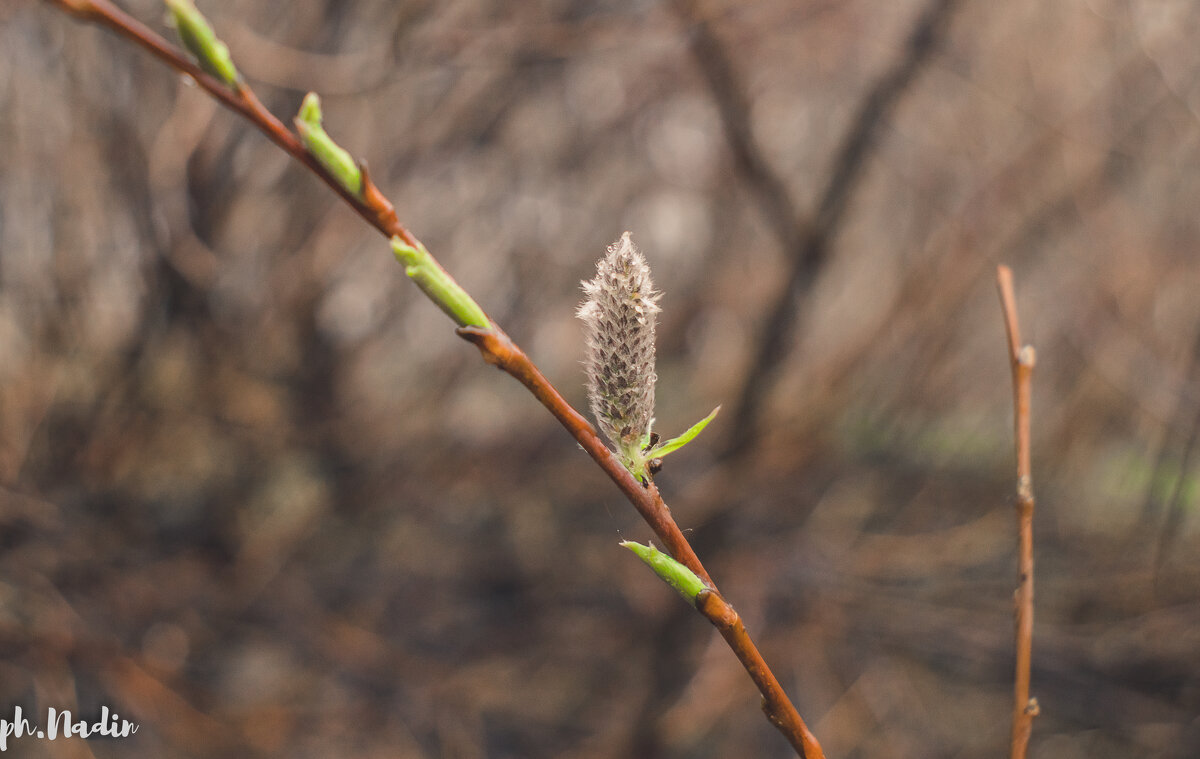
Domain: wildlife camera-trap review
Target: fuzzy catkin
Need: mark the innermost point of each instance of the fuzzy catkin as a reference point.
(619, 316)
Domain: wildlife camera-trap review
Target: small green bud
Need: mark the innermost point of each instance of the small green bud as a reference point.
(676, 575)
(198, 37)
(321, 146)
(436, 283)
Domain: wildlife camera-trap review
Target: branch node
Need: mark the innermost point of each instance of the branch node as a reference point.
(375, 200)
(1025, 492)
(1027, 356)
(770, 714)
(713, 605)
(489, 343)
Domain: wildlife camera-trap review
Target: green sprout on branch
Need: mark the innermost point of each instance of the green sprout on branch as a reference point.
(201, 41)
(441, 288)
(321, 146)
(672, 572)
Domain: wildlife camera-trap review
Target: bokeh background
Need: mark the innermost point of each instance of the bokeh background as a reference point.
(256, 496)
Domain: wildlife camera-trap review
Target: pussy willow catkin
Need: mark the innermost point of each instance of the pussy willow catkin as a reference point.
(619, 316)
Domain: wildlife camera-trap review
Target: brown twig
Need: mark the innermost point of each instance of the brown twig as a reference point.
(1022, 359)
(780, 713)
(497, 349)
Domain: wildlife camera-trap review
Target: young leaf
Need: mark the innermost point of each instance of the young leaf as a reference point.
(675, 443)
(675, 574)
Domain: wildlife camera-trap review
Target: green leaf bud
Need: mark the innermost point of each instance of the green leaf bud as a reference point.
(436, 283)
(198, 37)
(675, 574)
(321, 146)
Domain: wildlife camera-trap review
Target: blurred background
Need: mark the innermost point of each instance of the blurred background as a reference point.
(257, 497)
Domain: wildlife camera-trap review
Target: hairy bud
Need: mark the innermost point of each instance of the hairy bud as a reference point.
(619, 315)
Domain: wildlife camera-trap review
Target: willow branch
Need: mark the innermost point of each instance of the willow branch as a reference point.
(1022, 359)
(497, 349)
(776, 706)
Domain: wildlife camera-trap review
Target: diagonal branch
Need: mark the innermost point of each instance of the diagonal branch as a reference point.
(807, 241)
(496, 348)
(1022, 359)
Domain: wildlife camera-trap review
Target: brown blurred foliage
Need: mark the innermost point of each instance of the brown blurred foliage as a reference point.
(256, 496)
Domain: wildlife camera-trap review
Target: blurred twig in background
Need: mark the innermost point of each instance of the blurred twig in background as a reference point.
(806, 240)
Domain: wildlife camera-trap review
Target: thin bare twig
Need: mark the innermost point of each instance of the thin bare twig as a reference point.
(497, 349)
(1174, 460)
(1022, 359)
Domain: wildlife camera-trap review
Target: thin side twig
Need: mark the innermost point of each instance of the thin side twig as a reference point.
(1022, 359)
(497, 349)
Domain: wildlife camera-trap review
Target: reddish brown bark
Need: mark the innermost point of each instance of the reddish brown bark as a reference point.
(1022, 359)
